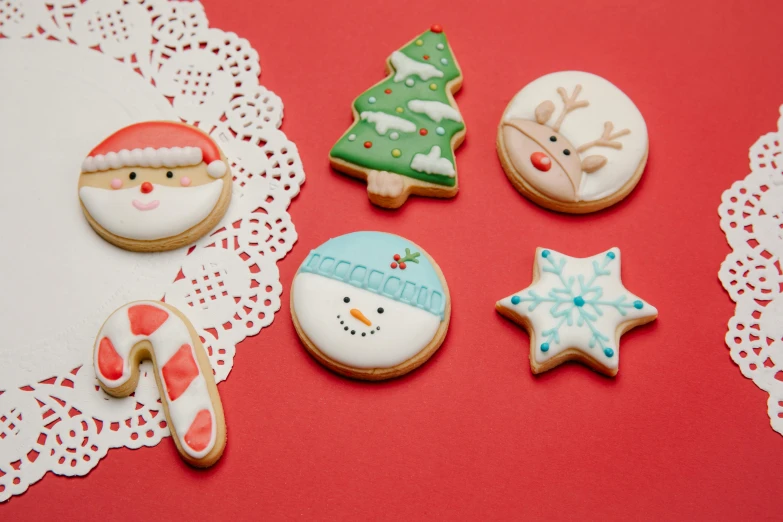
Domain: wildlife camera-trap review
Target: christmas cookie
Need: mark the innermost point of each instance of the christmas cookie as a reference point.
(576, 309)
(573, 142)
(406, 127)
(370, 305)
(155, 186)
(156, 331)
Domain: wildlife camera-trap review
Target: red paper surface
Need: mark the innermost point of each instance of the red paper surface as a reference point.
(679, 434)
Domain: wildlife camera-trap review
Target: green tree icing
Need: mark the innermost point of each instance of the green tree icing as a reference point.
(401, 135)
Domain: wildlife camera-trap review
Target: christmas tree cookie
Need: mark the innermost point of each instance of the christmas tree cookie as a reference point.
(407, 126)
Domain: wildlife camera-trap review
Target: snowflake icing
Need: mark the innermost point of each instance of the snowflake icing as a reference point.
(579, 305)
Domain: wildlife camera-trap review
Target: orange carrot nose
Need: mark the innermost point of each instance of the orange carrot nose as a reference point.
(360, 316)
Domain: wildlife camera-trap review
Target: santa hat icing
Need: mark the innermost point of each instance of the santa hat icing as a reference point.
(156, 144)
(365, 259)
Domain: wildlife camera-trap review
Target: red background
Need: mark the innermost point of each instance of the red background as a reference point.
(679, 434)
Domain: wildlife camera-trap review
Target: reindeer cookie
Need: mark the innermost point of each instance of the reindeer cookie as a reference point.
(573, 142)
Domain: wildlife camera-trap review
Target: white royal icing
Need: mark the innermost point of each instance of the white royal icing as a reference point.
(147, 157)
(406, 66)
(404, 331)
(607, 103)
(577, 303)
(435, 110)
(383, 122)
(432, 163)
(166, 341)
(177, 210)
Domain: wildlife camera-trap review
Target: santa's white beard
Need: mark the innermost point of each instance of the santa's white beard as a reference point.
(178, 209)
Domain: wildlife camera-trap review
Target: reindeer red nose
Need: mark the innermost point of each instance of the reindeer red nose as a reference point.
(541, 161)
(146, 187)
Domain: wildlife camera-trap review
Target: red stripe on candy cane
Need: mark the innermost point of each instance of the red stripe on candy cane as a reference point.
(145, 319)
(200, 432)
(110, 363)
(179, 372)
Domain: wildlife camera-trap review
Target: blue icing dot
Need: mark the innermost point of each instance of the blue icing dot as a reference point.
(441, 131)
(545, 253)
(638, 304)
(579, 300)
(372, 99)
(545, 347)
(515, 300)
(608, 352)
(610, 255)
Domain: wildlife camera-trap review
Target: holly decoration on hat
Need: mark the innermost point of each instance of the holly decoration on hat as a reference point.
(409, 258)
(406, 124)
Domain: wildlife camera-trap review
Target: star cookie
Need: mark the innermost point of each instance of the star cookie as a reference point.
(576, 309)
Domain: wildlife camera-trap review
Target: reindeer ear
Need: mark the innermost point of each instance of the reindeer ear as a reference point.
(544, 111)
(593, 163)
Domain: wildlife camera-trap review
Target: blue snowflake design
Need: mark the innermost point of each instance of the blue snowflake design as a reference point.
(577, 301)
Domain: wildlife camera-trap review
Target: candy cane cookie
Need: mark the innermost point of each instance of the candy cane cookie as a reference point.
(156, 331)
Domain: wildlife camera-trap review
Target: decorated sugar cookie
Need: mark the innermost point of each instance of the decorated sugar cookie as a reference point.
(576, 309)
(155, 186)
(407, 126)
(370, 305)
(156, 331)
(573, 142)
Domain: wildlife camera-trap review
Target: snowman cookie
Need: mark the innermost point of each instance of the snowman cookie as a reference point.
(155, 186)
(576, 309)
(573, 142)
(370, 305)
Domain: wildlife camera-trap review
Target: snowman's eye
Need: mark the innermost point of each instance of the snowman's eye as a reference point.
(132, 175)
(553, 138)
(567, 152)
(347, 300)
(380, 310)
(169, 174)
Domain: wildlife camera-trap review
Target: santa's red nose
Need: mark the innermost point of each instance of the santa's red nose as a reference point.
(146, 187)
(541, 161)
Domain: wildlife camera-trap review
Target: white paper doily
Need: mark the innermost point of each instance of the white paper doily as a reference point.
(751, 215)
(74, 72)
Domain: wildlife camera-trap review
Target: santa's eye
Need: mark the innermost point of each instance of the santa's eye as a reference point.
(347, 300)
(380, 310)
(132, 175)
(169, 174)
(567, 152)
(553, 138)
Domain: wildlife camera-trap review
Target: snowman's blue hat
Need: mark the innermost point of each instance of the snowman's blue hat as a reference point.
(367, 260)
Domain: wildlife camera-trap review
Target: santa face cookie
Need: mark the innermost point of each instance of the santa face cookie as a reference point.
(370, 305)
(155, 186)
(573, 142)
(407, 126)
(576, 309)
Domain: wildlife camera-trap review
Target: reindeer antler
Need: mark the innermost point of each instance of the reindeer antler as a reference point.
(570, 104)
(606, 138)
